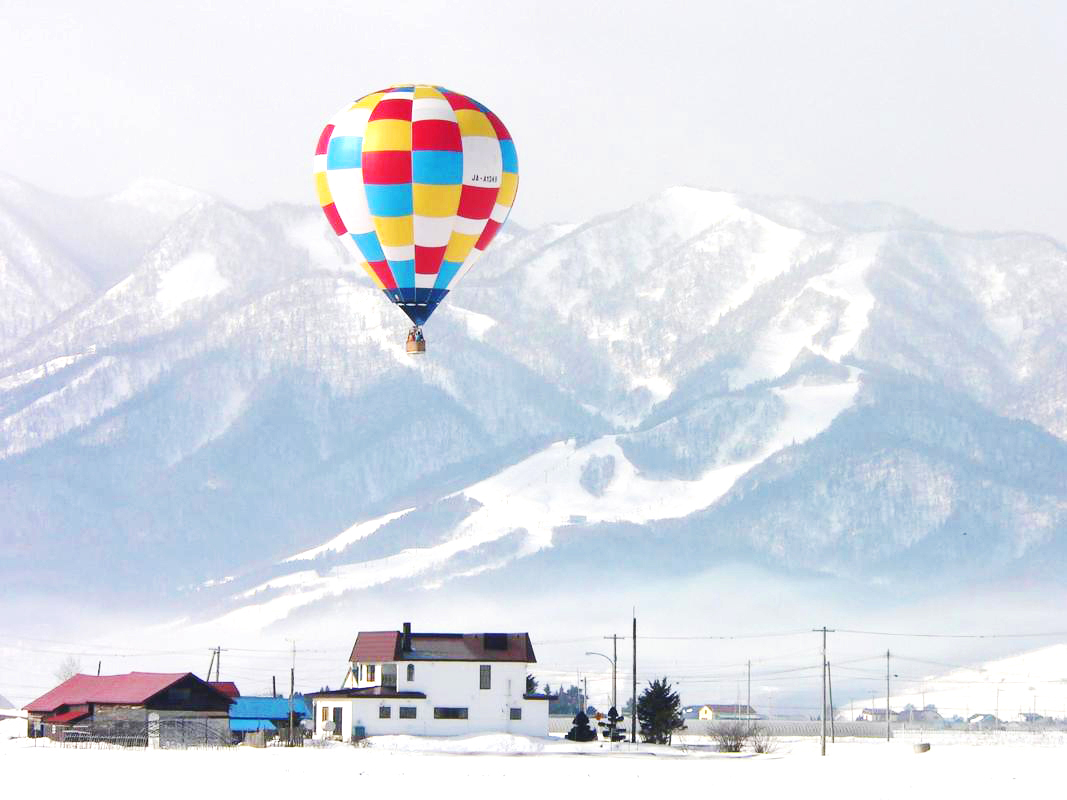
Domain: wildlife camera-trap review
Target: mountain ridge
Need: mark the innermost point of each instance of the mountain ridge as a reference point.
(242, 395)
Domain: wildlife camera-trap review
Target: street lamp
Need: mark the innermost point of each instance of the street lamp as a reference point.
(614, 702)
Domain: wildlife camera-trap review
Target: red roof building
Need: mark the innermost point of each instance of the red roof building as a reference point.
(379, 646)
(107, 706)
(439, 684)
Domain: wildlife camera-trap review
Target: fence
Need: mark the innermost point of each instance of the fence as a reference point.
(775, 727)
(177, 733)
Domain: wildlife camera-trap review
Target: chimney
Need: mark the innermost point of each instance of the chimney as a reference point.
(406, 646)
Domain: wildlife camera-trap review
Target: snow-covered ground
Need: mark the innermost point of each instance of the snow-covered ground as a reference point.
(963, 766)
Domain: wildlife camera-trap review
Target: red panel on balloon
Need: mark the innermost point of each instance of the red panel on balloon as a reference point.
(498, 126)
(335, 219)
(324, 141)
(428, 259)
(385, 275)
(459, 102)
(435, 134)
(476, 202)
(491, 228)
(387, 166)
(395, 108)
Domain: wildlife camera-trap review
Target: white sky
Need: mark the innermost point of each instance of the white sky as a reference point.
(954, 109)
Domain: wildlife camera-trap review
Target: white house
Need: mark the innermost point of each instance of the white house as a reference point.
(438, 684)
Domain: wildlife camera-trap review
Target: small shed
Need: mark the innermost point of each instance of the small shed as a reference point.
(271, 714)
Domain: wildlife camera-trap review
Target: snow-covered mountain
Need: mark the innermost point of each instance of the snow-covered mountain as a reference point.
(846, 390)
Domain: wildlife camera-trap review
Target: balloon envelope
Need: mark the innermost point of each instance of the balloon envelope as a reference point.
(416, 180)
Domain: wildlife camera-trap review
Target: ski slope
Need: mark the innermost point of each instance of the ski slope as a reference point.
(533, 498)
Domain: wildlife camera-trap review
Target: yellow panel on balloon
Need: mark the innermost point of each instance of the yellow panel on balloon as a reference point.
(474, 123)
(322, 189)
(387, 134)
(426, 91)
(509, 183)
(395, 231)
(459, 246)
(432, 200)
(370, 101)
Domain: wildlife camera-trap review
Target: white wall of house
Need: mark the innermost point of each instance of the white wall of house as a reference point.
(447, 685)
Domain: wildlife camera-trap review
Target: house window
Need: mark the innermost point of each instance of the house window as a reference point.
(411, 672)
(407, 712)
(516, 713)
(389, 676)
(485, 676)
(449, 713)
(325, 713)
(370, 672)
(385, 712)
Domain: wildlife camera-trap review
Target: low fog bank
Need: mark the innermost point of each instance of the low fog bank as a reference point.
(699, 632)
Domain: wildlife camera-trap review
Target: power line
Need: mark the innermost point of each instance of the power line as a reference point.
(956, 635)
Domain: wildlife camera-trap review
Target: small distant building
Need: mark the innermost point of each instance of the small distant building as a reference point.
(438, 684)
(877, 715)
(983, 722)
(928, 716)
(712, 711)
(139, 704)
(271, 714)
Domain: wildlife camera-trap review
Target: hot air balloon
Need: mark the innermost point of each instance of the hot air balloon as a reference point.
(416, 181)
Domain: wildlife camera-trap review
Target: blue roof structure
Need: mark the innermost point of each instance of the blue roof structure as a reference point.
(267, 708)
(249, 725)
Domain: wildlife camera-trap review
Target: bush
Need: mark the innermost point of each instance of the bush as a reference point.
(762, 741)
(581, 732)
(732, 736)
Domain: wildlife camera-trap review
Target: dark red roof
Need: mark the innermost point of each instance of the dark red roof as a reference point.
(67, 717)
(372, 647)
(228, 688)
(134, 689)
(377, 646)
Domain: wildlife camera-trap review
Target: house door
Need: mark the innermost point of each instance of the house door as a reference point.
(337, 729)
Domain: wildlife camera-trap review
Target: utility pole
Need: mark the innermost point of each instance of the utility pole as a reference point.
(824, 630)
(292, 686)
(887, 729)
(830, 683)
(273, 685)
(98, 665)
(218, 662)
(748, 711)
(211, 665)
(633, 710)
(614, 668)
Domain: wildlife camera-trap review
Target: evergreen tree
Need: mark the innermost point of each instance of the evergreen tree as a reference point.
(659, 712)
(531, 685)
(612, 725)
(580, 730)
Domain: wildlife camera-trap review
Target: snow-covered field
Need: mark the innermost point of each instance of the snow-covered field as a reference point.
(960, 765)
